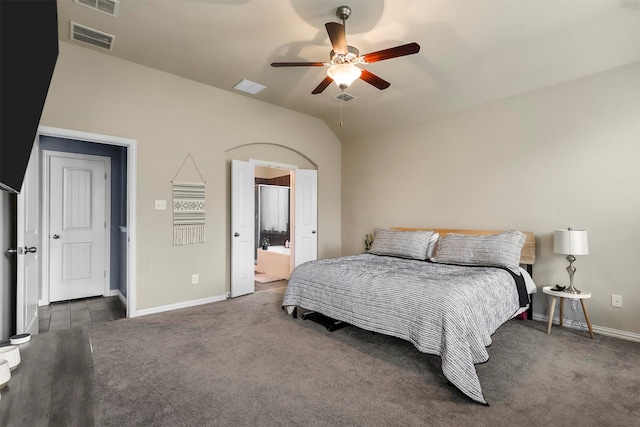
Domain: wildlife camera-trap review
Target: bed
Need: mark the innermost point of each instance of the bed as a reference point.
(447, 301)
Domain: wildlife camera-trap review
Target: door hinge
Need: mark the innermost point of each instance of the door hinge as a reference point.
(105, 224)
(105, 176)
(105, 274)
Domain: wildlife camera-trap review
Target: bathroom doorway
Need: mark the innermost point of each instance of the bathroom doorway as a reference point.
(303, 220)
(272, 226)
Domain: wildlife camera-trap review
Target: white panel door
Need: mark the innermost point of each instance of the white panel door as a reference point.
(306, 216)
(242, 228)
(28, 240)
(77, 227)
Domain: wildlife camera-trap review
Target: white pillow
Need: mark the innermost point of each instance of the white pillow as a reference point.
(403, 244)
(501, 250)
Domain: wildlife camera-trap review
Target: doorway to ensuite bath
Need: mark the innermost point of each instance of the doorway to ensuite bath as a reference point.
(272, 227)
(303, 219)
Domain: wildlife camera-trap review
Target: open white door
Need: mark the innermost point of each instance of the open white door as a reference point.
(306, 216)
(28, 240)
(242, 227)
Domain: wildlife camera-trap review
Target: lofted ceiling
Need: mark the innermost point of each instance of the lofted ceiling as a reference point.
(472, 51)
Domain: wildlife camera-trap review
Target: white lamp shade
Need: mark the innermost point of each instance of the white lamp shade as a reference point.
(570, 242)
(344, 74)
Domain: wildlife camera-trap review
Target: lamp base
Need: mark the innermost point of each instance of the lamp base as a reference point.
(571, 270)
(572, 290)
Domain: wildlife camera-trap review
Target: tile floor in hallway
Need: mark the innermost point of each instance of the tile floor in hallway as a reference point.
(80, 312)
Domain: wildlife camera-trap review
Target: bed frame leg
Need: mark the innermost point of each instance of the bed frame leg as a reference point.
(294, 314)
(326, 321)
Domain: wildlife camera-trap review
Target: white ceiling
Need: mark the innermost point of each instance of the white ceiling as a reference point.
(472, 51)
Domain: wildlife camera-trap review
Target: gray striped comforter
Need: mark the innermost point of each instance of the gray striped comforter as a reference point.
(447, 310)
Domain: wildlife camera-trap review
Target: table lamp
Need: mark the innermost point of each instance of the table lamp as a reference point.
(570, 242)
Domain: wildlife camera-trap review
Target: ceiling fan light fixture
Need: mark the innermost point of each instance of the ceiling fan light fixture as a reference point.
(344, 74)
(343, 58)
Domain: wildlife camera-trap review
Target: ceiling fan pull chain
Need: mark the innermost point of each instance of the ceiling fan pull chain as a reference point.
(341, 111)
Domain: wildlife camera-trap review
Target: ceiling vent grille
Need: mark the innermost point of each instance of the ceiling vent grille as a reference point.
(249, 87)
(95, 38)
(110, 7)
(345, 97)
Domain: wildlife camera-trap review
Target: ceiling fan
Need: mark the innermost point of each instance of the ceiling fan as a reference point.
(344, 58)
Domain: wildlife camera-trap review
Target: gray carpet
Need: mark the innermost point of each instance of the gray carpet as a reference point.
(270, 285)
(243, 362)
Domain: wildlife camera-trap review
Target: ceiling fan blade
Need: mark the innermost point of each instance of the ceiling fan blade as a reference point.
(337, 37)
(297, 64)
(393, 52)
(323, 85)
(374, 80)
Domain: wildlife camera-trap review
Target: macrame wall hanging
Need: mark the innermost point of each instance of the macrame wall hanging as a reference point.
(188, 207)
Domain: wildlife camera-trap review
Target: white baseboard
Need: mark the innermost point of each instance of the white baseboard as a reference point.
(185, 304)
(122, 298)
(117, 293)
(575, 324)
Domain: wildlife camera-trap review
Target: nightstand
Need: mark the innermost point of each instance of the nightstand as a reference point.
(562, 295)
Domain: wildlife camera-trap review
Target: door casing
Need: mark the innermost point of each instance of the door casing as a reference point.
(132, 159)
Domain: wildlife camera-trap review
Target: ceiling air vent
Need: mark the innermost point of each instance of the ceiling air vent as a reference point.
(87, 35)
(345, 97)
(249, 87)
(110, 7)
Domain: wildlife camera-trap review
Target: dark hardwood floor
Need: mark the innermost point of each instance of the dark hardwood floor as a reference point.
(53, 385)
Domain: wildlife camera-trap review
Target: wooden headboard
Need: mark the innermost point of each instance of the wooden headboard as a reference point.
(527, 255)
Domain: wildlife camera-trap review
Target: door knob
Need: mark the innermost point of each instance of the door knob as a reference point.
(313, 231)
(22, 251)
(236, 234)
(55, 236)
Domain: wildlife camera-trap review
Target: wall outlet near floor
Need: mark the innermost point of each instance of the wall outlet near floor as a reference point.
(195, 279)
(616, 300)
(161, 205)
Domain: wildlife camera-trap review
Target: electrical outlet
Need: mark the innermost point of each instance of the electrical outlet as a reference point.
(616, 300)
(195, 279)
(161, 205)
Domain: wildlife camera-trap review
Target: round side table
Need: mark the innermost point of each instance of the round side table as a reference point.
(562, 295)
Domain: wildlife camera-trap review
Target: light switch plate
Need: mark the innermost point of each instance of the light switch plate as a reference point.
(161, 205)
